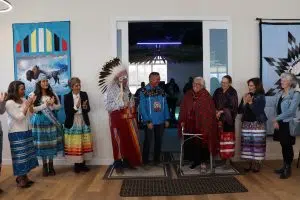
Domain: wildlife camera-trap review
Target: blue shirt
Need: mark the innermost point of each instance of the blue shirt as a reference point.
(153, 105)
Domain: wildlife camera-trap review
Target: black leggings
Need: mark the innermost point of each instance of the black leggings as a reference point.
(287, 153)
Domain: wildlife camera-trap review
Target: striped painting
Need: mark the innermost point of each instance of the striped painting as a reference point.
(43, 48)
(41, 40)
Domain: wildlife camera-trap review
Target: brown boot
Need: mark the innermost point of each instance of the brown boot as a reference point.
(77, 168)
(83, 167)
(45, 170)
(21, 182)
(28, 180)
(51, 169)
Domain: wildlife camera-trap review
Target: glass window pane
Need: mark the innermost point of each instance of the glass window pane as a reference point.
(143, 73)
(218, 57)
(133, 89)
(132, 75)
(162, 70)
(119, 44)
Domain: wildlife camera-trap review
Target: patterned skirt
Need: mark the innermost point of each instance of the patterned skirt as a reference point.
(253, 142)
(47, 137)
(22, 152)
(227, 142)
(78, 141)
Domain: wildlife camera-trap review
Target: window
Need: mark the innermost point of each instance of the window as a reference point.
(140, 73)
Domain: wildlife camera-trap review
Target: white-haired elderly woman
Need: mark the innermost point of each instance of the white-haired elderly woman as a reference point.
(287, 101)
(198, 116)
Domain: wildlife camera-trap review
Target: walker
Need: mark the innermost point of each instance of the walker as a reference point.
(182, 141)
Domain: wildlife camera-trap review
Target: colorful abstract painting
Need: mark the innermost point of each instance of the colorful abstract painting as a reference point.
(280, 52)
(43, 48)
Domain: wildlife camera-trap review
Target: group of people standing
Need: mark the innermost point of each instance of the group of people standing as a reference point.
(200, 113)
(34, 130)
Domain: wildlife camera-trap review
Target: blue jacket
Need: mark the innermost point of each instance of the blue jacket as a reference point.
(153, 105)
(288, 105)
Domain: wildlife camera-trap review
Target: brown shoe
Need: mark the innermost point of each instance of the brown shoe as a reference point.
(28, 180)
(76, 168)
(51, 169)
(83, 167)
(45, 170)
(120, 170)
(22, 183)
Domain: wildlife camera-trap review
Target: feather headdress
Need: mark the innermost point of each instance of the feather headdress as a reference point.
(111, 71)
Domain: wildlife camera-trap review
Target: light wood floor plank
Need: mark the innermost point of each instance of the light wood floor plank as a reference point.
(70, 186)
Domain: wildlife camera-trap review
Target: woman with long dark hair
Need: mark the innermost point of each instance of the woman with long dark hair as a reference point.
(19, 133)
(253, 141)
(45, 126)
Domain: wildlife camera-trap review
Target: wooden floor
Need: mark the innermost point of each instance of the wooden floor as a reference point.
(68, 185)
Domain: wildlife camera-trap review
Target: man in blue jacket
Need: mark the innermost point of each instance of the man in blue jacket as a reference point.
(155, 114)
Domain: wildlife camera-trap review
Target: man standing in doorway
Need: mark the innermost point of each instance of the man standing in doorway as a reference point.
(155, 114)
(172, 91)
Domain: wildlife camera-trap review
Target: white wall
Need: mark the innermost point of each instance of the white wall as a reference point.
(92, 43)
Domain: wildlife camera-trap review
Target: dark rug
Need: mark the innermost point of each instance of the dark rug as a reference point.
(161, 171)
(179, 187)
(219, 168)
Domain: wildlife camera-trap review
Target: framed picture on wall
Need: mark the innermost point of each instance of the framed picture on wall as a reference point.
(280, 52)
(43, 48)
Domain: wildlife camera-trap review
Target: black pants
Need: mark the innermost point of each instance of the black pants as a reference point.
(195, 151)
(172, 107)
(157, 132)
(287, 153)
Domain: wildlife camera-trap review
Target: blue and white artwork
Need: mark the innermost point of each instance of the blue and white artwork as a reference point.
(280, 52)
(43, 48)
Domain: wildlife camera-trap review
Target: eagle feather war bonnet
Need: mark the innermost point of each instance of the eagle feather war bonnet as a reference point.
(111, 71)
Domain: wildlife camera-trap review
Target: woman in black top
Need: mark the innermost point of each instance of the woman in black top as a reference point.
(78, 137)
(253, 141)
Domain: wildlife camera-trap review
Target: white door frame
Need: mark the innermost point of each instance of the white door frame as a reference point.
(208, 22)
(206, 27)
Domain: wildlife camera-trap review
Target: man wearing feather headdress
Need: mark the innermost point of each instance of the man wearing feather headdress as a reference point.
(119, 103)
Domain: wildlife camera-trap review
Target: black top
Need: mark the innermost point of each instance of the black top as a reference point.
(249, 115)
(70, 111)
(279, 106)
(255, 111)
